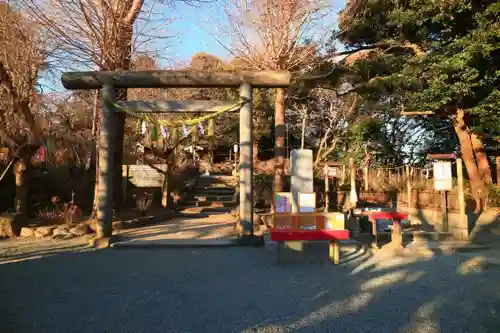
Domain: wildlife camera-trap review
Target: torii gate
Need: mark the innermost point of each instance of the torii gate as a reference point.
(107, 82)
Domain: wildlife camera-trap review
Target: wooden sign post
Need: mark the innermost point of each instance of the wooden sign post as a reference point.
(331, 171)
(443, 181)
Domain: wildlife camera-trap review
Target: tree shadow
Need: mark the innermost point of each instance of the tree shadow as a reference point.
(13, 251)
(488, 229)
(198, 226)
(242, 290)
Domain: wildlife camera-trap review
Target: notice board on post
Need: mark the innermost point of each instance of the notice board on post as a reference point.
(331, 172)
(443, 180)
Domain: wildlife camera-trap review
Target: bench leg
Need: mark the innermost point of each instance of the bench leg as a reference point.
(374, 241)
(397, 234)
(334, 250)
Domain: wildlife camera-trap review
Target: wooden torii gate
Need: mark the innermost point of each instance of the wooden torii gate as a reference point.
(108, 82)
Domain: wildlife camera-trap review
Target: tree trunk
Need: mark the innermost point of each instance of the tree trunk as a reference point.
(279, 149)
(483, 164)
(497, 162)
(303, 134)
(118, 196)
(98, 121)
(21, 175)
(95, 206)
(125, 51)
(467, 152)
(255, 148)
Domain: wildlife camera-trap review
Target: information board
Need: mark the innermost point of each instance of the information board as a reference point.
(335, 221)
(442, 176)
(331, 172)
(143, 175)
(283, 202)
(307, 202)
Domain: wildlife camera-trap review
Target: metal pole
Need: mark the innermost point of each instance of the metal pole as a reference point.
(106, 159)
(246, 161)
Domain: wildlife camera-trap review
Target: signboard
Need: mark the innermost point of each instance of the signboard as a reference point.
(332, 172)
(441, 156)
(143, 175)
(442, 176)
(307, 202)
(335, 221)
(283, 202)
(301, 161)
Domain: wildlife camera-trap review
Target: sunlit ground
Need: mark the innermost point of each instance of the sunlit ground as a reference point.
(243, 290)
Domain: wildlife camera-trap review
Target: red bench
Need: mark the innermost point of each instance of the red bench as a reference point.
(289, 227)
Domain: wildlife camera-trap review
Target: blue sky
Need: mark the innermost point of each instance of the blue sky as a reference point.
(192, 31)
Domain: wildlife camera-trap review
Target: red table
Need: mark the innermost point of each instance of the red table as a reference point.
(397, 227)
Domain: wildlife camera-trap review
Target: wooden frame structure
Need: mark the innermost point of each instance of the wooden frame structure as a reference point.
(108, 82)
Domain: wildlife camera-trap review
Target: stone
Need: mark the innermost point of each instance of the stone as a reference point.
(92, 224)
(27, 232)
(41, 232)
(62, 232)
(301, 181)
(10, 224)
(118, 225)
(101, 243)
(79, 230)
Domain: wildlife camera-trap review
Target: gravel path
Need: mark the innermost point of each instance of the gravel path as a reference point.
(242, 290)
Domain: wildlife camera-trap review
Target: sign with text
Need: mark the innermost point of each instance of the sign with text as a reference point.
(283, 202)
(307, 202)
(331, 172)
(143, 175)
(442, 176)
(301, 161)
(335, 221)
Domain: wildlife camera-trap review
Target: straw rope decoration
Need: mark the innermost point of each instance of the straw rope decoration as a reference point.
(178, 122)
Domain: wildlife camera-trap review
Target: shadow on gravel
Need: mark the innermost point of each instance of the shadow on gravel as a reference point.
(32, 251)
(243, 290)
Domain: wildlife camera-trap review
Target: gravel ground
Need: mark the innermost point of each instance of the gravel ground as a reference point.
(243, 290)
(216, 226)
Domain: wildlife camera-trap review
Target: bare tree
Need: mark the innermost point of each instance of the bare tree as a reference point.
(99, 33)
(324, 118)
(22, 57)
(276, 35)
